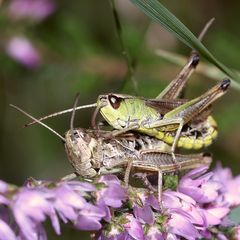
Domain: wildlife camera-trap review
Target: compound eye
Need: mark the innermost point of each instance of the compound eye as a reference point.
(74, 135)
(115, 101)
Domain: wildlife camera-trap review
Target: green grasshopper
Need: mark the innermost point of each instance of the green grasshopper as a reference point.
(164, 103)
(91, 155)
(127, 113)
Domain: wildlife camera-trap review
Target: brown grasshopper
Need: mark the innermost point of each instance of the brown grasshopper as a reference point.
(91, 155)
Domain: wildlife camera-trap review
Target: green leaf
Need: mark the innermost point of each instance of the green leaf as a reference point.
(157, 12)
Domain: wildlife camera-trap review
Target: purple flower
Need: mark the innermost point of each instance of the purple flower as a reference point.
(199, 188)
(22, 50)
(230, 190)
(6, 232)
(182, 226)
(144, 214)
(215, 215)
(114, 193)
(66, 201)
(198, 209)
(30, 208)
(71, 205)
(3, 186)
(81, 187)
(134, 228)
(32, 204)
(36, 10)
(185, 205)
(89, 218)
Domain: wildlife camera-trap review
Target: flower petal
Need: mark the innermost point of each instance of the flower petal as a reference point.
(182, 227)
(144, 214)
(6, 232)
(134, 228)
(88, 223)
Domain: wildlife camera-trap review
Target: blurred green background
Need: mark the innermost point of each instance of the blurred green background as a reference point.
(80, 52)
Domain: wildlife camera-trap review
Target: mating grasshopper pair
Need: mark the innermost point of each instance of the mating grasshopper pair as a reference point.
(177, 122)
(91, 155)
(166, 119)
(127, 113)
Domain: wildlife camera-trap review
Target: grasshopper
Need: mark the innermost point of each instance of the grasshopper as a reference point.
(177, 122)
(91, 155)
(126, 113)
(165, 116)
(161, 117)
(162, 120)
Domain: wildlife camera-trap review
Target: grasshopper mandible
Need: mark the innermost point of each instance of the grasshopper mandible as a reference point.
(91, 155)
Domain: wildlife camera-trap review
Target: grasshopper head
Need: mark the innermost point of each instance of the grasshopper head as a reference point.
(80, 146)
(115, 108)
(121, 110)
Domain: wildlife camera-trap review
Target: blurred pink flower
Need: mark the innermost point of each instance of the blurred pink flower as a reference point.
(22, 50)
(6, 232)
(36, 10)
(230, 186)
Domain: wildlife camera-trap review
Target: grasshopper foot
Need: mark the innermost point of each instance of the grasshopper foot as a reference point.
(178, 165)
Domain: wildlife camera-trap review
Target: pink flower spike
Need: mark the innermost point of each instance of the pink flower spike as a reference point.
(22, 50)
(36, 10)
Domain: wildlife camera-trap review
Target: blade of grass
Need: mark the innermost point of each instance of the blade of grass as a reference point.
(157, 12)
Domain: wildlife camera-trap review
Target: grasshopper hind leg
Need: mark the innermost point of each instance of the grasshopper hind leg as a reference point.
(176, 87)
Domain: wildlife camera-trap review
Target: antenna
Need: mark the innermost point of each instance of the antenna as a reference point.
(37, 121)
(60, 113)
(74, 111)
